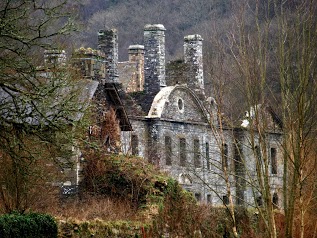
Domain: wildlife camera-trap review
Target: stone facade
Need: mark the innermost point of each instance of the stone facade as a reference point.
(175, 126)
(179, 131)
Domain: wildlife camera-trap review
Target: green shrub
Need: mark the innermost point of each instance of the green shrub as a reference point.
(27, 225)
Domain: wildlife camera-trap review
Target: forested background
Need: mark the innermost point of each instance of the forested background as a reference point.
(219, 22)
(179, 17)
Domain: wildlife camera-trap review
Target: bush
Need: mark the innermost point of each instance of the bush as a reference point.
(121, 177)
(27, 225)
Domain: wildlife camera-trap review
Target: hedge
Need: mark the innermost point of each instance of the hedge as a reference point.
(30, 225)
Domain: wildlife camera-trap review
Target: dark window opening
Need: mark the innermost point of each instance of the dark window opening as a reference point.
(182, 151)
(196, 154)
(134, 145)
(207, 156)
(273, 161)
(198, 196)
(275, 200)
(225, 200)
(224, 156)
(180, 104)
(168, 150)
(208, 198)
(259, 201)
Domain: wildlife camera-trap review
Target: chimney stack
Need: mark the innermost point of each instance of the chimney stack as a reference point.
(154, 58)
(108, 44)
(136, 55)
(194, 59)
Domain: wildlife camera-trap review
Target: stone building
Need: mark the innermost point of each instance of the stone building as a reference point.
(175, 126)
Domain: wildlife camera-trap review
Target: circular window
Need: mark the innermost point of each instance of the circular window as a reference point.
(180, 104)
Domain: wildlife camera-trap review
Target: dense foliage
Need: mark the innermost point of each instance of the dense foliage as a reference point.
(31, 225)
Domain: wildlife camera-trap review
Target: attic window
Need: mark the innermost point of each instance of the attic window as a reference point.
(180, 104)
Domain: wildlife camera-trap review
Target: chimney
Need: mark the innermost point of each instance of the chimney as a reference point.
(154, 58)
(54, 58)
(194, 59)
(136, 55)
(108, 44)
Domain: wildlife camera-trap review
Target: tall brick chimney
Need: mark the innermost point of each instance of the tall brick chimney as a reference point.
(108, 44)
(194, 59)
(154, 58)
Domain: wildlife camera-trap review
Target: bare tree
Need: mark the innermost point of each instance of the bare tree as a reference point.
(40, 107)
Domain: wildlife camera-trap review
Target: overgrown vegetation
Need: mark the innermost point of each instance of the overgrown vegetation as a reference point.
(30, 225)
(159, 203)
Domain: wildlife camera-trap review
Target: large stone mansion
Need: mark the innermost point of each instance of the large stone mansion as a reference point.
(175, 126)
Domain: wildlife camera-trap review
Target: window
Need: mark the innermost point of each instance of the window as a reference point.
(275, 200)
(207, 156)
(273, 161)
(168, 150)
(182, 151)
(134, 145)
(198, 196)
(208, 198)
(258, 157)
(224, 156)
(180, 104)
(225, 200)
(259, 201)
(196, 154)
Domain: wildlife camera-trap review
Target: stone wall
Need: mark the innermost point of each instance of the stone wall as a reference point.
(91, 63)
